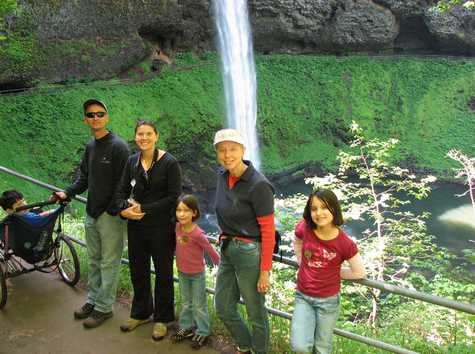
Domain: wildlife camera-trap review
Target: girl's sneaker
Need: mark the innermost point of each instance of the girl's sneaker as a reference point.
(181, 335)
(198, 341)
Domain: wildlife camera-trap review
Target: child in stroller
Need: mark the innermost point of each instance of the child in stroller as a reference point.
(31, 241)
(33, 229)
(13, 199)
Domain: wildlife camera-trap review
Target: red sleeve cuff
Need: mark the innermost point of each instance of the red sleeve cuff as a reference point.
(267, 226)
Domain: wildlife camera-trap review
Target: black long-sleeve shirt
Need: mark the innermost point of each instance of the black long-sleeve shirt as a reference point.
(99, 173)
(155, 190)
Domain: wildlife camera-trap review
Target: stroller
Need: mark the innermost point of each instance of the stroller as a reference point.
(42, 246)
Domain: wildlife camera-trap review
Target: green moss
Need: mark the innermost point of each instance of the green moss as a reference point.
(305, 105)
(421, 102)
(6, 8)
(16, 54)
(17, 50)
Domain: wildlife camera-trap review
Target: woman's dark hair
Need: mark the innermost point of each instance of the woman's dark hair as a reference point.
(191, 202)
(331, 202)
(146, 122)
(9, 198)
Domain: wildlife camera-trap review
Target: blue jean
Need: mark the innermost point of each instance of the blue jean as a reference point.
(105, 237)
(238, 274)
(194, 303)
(313, 322)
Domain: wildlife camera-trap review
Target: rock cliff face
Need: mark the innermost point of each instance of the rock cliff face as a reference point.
(453, 32)
(60, 40)
(333, 26)
(406, 8)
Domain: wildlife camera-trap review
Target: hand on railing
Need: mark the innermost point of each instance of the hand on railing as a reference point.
(58, 196)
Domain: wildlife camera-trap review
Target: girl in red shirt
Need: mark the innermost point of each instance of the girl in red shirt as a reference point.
(321, 247)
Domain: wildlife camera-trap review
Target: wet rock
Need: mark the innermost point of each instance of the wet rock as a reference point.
(84, 40)
(81, 40)
(290, 25)
(406, 8)
(471, 103)
(453, 31)
(361, 26)
(321, 25)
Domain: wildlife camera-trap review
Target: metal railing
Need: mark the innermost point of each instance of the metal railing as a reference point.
(437, 300)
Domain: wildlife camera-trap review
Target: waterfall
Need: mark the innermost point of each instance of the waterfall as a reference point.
(239, 74)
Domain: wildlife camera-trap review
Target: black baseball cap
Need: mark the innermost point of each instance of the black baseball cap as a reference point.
(93, 101)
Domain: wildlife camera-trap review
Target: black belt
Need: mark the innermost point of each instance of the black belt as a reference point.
(225, 239)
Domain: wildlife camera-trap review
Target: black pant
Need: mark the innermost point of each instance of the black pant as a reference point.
(156, 243)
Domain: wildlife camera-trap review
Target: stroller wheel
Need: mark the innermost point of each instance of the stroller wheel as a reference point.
(3, 286)
(67, 260)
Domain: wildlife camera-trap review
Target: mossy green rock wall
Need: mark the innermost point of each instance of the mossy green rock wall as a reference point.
(84, 40)
(57, 41)
(305, 105)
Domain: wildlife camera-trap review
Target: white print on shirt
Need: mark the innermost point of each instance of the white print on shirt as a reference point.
(319, 258)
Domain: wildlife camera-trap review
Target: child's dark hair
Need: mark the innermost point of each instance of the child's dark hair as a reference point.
(331, 202)
(191, 202)
(141, 122)
(9, 198)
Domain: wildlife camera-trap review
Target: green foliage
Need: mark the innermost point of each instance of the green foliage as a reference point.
(378, 190)
(6, 8)
(446, 5)
(396, 250)
(422, 327)
(306, 104)
(407, 98)
(45, 134)
(17, 48)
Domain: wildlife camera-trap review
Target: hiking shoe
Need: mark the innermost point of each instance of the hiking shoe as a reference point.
(132, 324)
(198, 341)
(96, 318)
(84, 311)
(159, 331)
(181, 335)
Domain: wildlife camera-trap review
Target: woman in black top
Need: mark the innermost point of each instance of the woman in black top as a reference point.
(147, 193)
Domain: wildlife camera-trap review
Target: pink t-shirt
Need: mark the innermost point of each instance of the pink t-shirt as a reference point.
(190, 248)
(319, 271)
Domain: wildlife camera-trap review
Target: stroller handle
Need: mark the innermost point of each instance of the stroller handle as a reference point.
(40, 204)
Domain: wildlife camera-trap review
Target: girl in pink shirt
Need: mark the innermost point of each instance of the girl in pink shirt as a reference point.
(321, 247)
(191, 243)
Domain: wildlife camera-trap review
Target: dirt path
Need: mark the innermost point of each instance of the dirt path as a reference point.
(38, 319)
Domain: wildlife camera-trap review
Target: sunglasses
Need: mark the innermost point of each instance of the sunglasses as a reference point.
(95, 114)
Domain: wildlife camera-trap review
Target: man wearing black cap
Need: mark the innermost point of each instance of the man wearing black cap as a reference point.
(99, 173)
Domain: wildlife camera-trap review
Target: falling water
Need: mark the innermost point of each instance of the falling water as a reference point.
(239, 74)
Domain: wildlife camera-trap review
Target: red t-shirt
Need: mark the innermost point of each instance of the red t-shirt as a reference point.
(319, 271)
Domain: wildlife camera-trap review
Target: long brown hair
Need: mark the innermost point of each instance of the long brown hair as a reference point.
(331, 202)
